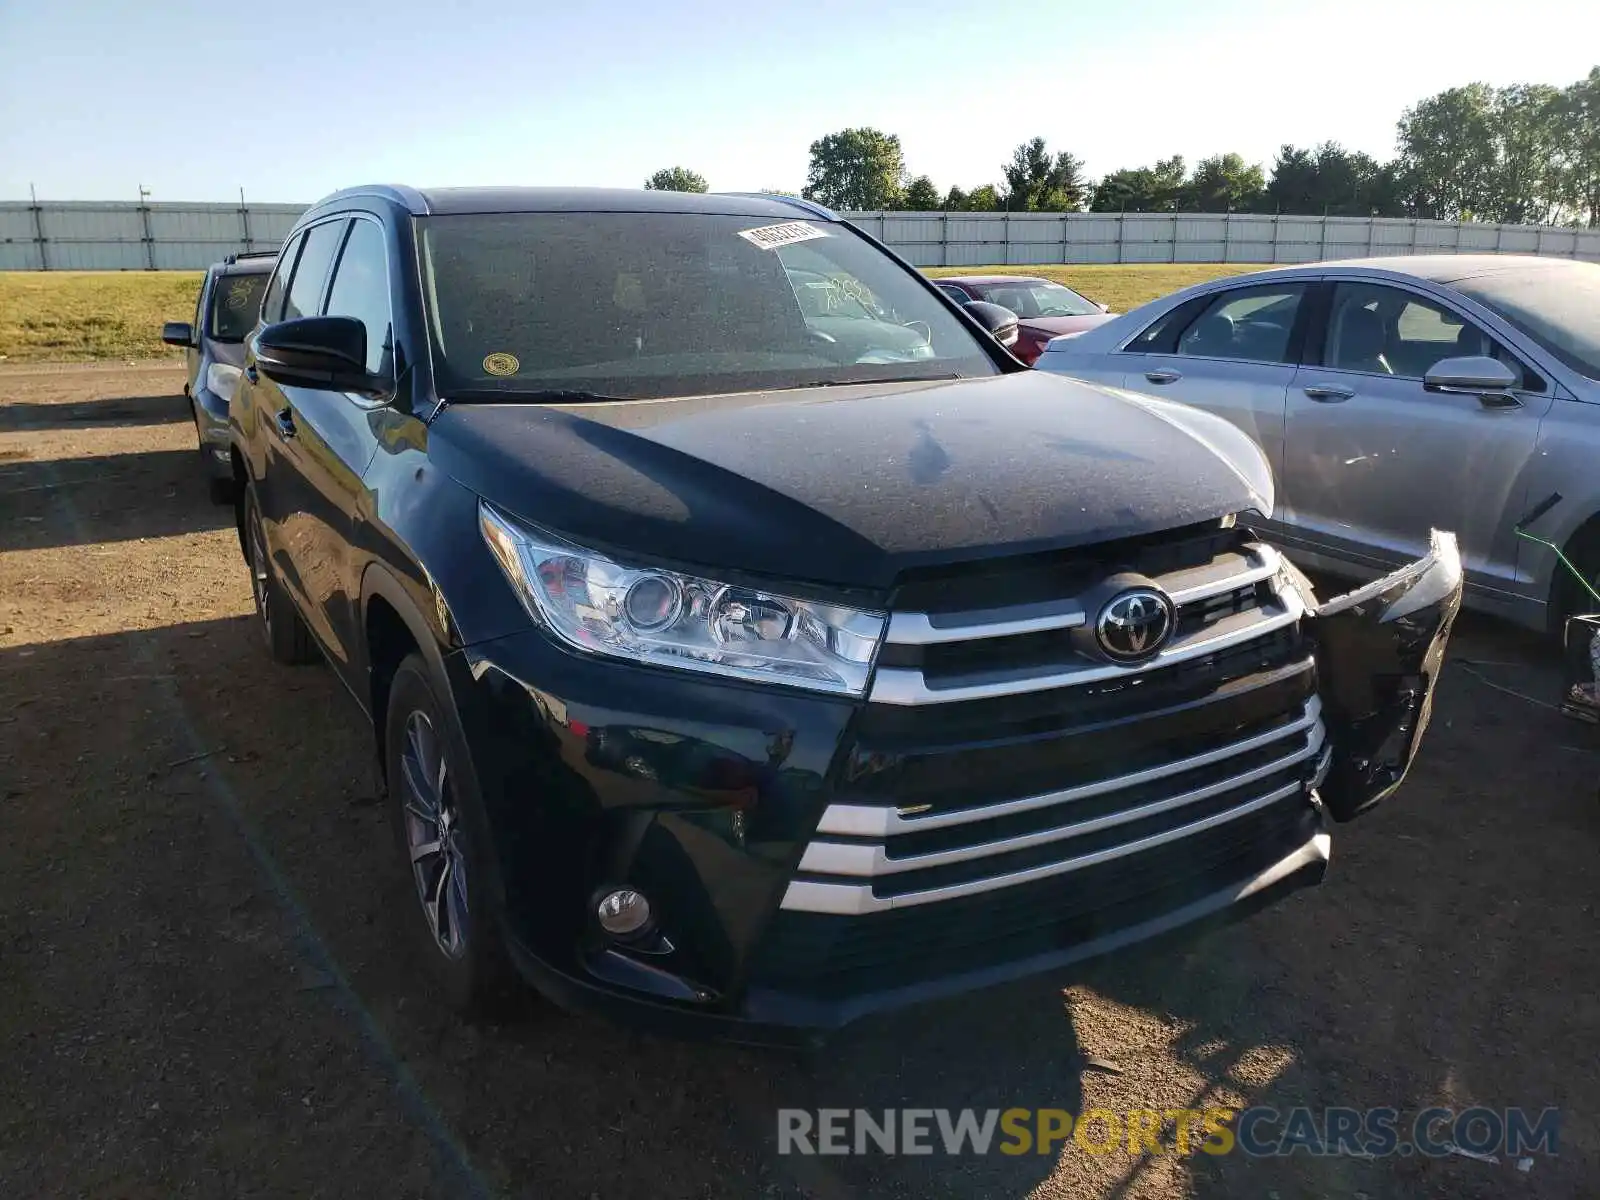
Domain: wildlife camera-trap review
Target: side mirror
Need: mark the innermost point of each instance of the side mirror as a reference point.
(1474, 375)
(178, 333)
(319, 352)
(1001, 323)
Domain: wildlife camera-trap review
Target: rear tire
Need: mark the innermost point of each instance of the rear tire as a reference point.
(288, 639)
(443, 849)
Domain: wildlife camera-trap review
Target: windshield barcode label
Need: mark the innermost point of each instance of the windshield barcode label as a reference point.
(773, 237)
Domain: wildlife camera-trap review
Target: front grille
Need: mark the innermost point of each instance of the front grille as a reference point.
(998, 762)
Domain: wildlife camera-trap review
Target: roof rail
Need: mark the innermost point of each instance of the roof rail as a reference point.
(810, 206)
(237, 255)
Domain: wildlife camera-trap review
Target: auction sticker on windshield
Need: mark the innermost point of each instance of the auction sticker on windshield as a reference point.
(774, 237)
(501, 363)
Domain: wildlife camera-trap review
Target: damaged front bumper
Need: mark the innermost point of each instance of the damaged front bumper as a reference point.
(1379, 650)
(1075, 822)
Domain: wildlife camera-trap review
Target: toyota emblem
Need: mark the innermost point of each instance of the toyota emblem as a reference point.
(1134, 624)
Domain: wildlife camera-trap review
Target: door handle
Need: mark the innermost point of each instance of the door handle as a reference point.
(1163, 376)
(250, 373)
(1327, 393)
(285, 420)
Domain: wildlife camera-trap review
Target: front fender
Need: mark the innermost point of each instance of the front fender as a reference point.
(1379, 650)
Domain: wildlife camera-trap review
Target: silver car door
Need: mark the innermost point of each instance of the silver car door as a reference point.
(1373, 460)
(1233, 355)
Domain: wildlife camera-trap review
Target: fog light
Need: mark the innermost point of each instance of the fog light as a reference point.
(220, 454)
(623, 912)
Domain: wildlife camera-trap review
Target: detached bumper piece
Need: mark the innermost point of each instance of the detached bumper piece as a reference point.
(1379, 650)
(1581, 696)
(1137, 798)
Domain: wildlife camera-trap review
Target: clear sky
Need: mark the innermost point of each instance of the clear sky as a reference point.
(291, 99)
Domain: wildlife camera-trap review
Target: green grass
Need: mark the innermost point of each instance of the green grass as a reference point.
(80, 316)
(1121, 286)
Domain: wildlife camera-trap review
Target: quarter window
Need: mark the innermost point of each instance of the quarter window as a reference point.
(361, 287)
(305, 289)
(1252, 324)
(272, 302)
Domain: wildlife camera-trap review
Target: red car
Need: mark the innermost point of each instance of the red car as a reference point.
(1044, 309)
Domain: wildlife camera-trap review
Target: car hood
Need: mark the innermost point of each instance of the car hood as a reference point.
(851, 486)
(1055, 326)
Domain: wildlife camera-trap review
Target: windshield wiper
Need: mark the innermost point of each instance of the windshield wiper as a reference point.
(535, 396)
(876, 379)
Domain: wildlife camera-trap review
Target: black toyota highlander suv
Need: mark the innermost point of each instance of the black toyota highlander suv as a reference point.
(736, 670)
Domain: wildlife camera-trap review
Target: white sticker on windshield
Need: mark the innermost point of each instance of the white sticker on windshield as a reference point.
(775, 237)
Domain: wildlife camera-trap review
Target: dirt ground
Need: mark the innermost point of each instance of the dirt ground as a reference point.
(204, 989)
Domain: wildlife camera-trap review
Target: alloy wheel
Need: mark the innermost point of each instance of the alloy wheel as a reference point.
(258, 573)
(434, 840)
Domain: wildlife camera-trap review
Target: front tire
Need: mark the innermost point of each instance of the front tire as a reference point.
(443, 850)
(288, 639)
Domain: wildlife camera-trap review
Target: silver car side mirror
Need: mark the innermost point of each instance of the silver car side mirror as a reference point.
(1470, 375)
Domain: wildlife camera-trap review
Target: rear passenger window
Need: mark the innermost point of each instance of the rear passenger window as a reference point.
(272, 302)
(361, 287)
(1252, 324)
(305, 288)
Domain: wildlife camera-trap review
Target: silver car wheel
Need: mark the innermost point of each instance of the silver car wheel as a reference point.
(433, 836)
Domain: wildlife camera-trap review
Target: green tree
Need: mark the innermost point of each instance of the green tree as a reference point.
(1126, 190)
(1142, 189)
(1578, 148)
(921, 195)
(985, 199)
(1037, 181)
(1529, 129)
(676, 179)
(1332, 180)
(1448, 154)
(856, 170)
(1224, 183)
(955, 200)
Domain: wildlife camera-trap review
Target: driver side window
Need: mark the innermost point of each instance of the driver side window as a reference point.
(1382, 330)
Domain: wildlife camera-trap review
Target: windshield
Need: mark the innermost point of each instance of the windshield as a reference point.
(1041, 299)
(1557, 306)
(235, 305)
(652, 305)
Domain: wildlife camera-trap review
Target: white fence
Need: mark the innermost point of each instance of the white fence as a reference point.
(983, 239)
(109, 236)
(90, 236)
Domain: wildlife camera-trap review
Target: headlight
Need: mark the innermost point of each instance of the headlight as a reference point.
(673, 620)
(221, 379)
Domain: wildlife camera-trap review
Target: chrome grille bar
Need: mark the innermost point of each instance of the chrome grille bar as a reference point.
(908, 685)
(872, 859)
(851, 899)
(923, 629)
(865, 821)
